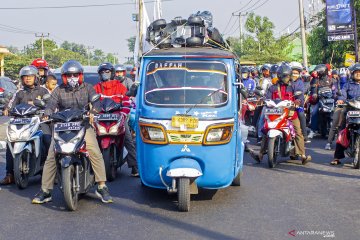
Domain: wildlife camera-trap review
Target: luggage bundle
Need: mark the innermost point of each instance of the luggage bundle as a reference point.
(196, 31)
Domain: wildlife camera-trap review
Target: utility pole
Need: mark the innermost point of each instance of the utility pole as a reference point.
(141, 20)
(240, 26)
(115, 54)
(303, 36)
(42, 35)
(356, 37)
(88, 51)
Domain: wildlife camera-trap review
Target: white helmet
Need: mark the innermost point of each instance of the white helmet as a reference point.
(342, 71)
(296, 66)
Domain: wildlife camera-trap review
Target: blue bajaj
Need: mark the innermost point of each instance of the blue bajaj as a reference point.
(188, 133)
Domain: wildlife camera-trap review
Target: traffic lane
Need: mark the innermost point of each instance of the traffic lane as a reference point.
(268, 205)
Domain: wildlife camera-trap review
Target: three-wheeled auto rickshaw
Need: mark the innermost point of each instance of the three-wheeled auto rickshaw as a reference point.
(188, 133)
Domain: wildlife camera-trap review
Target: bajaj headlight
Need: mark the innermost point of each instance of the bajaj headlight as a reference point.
(153, 133)
(218, 134)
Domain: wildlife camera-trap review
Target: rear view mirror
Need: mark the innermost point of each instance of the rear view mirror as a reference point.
(258, 92)
(298, 93)
(39, 103)
(94, 98)
(46, 97)
(244, 93)
(259, 88)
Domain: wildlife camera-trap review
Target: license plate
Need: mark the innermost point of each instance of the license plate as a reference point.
(21, 121)
(252, 99)
(353, 114)
(277, 111)
(108, 117)
(188, 121)
(71, 126)
(329, 101)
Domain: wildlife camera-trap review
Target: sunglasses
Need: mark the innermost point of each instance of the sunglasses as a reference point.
(72, 75)
(106, 71)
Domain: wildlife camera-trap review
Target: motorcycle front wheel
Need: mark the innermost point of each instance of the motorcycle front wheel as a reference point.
(68, 183)
(272, 155)
(109, 155)
(21, 161)
(356, 160)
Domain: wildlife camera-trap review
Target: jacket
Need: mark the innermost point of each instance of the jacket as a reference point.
(111, 88)
(26, 95)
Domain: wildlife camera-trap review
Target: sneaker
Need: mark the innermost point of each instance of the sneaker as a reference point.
(103, 194)
(311, 134)
(307, 140)
(42, 197)
(256, 156)
(328, 146)
(134, 172)
(305, 159)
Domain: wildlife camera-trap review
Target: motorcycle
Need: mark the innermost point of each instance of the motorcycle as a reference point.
(24, 140)
(326, 109)
(73, 164)
(252, 102)
(110, 131)
(353, 125)
(280, 133)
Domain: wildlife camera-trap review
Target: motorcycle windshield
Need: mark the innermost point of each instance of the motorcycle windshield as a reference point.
(24, 109)
(185, 83)
(68, 115)
(108, 105)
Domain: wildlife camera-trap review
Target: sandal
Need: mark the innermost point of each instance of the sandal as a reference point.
(335, 162)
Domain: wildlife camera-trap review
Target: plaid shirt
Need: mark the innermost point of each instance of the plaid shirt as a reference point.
(64, 97)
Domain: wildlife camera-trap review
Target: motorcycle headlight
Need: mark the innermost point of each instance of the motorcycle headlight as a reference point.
(218, 134)
(153, 133)
(68, 147)
(101, 129)
(114, 129)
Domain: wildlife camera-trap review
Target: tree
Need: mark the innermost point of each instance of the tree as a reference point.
(131, 43)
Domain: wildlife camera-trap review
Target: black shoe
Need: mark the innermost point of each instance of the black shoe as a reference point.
(42, 197)
(256, 156)
(134, 172)
(103, 194)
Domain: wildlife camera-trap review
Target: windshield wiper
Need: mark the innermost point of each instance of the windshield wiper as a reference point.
(201, 100)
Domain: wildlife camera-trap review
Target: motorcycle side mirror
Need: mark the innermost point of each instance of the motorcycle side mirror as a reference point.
(338, 93)
(258, 92)
(298, 93)
(39, 103)
(94, 98)
(244, 93)
(259, 88)
(46, 97)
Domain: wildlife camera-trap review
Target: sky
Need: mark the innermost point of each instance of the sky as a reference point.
(107, 28)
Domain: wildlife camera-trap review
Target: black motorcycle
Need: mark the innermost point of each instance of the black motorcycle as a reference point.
(73, 164)
(353, 124)
(326, 109)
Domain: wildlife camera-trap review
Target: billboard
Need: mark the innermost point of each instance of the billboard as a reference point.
(339, 17)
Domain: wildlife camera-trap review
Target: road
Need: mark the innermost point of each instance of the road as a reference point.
(269, 204)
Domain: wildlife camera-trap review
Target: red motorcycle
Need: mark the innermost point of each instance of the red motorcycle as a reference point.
(280, 133)
(110, 130)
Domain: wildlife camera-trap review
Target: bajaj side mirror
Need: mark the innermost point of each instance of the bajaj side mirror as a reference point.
(94, 98)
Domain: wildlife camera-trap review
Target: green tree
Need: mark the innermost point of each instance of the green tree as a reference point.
(131, 43)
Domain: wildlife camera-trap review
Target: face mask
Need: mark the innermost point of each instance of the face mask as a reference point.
(120, 78)
(73, 81)
(295, 77)
(285, 80)
(105, 76)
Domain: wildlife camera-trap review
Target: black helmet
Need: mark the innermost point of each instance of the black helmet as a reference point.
(245, 70)
(335, 72)
(274, 68)
(321, 69)
(106, 67)
(72, 67)
(284, 72)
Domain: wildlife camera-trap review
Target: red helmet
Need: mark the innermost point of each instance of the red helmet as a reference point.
(40, 63)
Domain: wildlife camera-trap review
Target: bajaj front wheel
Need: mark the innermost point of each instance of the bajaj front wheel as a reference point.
(184, 194)
(68, 182)
(21, 169)
(272, 155)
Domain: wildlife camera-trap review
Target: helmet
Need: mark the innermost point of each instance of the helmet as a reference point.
(119, 68)
(103, 67)
(253, 70)
(342, 72)
(274, 68)
(72, 66)
(322, 70)
(334, 72)
(245, 70)
(284, 72)
(355, 67)
(28, 70)
(265, 67)
(296, 66)
(40, 63)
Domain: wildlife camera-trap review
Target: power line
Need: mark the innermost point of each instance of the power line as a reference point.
(232, 27)
(228, 23)
(247, 9)
(259, 6)
(75, 6)
(243, 7)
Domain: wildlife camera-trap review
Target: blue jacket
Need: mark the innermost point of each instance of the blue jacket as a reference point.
(350, 90)
(249, 84)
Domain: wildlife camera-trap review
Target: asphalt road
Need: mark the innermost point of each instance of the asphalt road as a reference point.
(269, 204)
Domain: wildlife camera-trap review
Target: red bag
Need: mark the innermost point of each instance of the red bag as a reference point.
(343, 138)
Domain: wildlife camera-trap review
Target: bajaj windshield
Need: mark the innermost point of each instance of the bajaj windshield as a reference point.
(185, 83)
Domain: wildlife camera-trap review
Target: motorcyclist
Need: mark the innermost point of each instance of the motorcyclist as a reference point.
(51, 82)
(296, 69)
(343, 77)
(322, 80)
(351, 90)
(110, 87)
(284, 90)
(273, 73)
(42, 67)
(254, 73)
(120, 75)
(248, 82)
(31, 90)
(74, 93)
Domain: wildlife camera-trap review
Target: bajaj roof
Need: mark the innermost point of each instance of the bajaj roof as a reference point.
(201, 52)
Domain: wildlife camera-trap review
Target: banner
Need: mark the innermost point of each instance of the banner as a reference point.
(339, 16)
(349, 59)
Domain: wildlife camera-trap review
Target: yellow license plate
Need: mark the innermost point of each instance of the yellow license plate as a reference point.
(188, 121)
